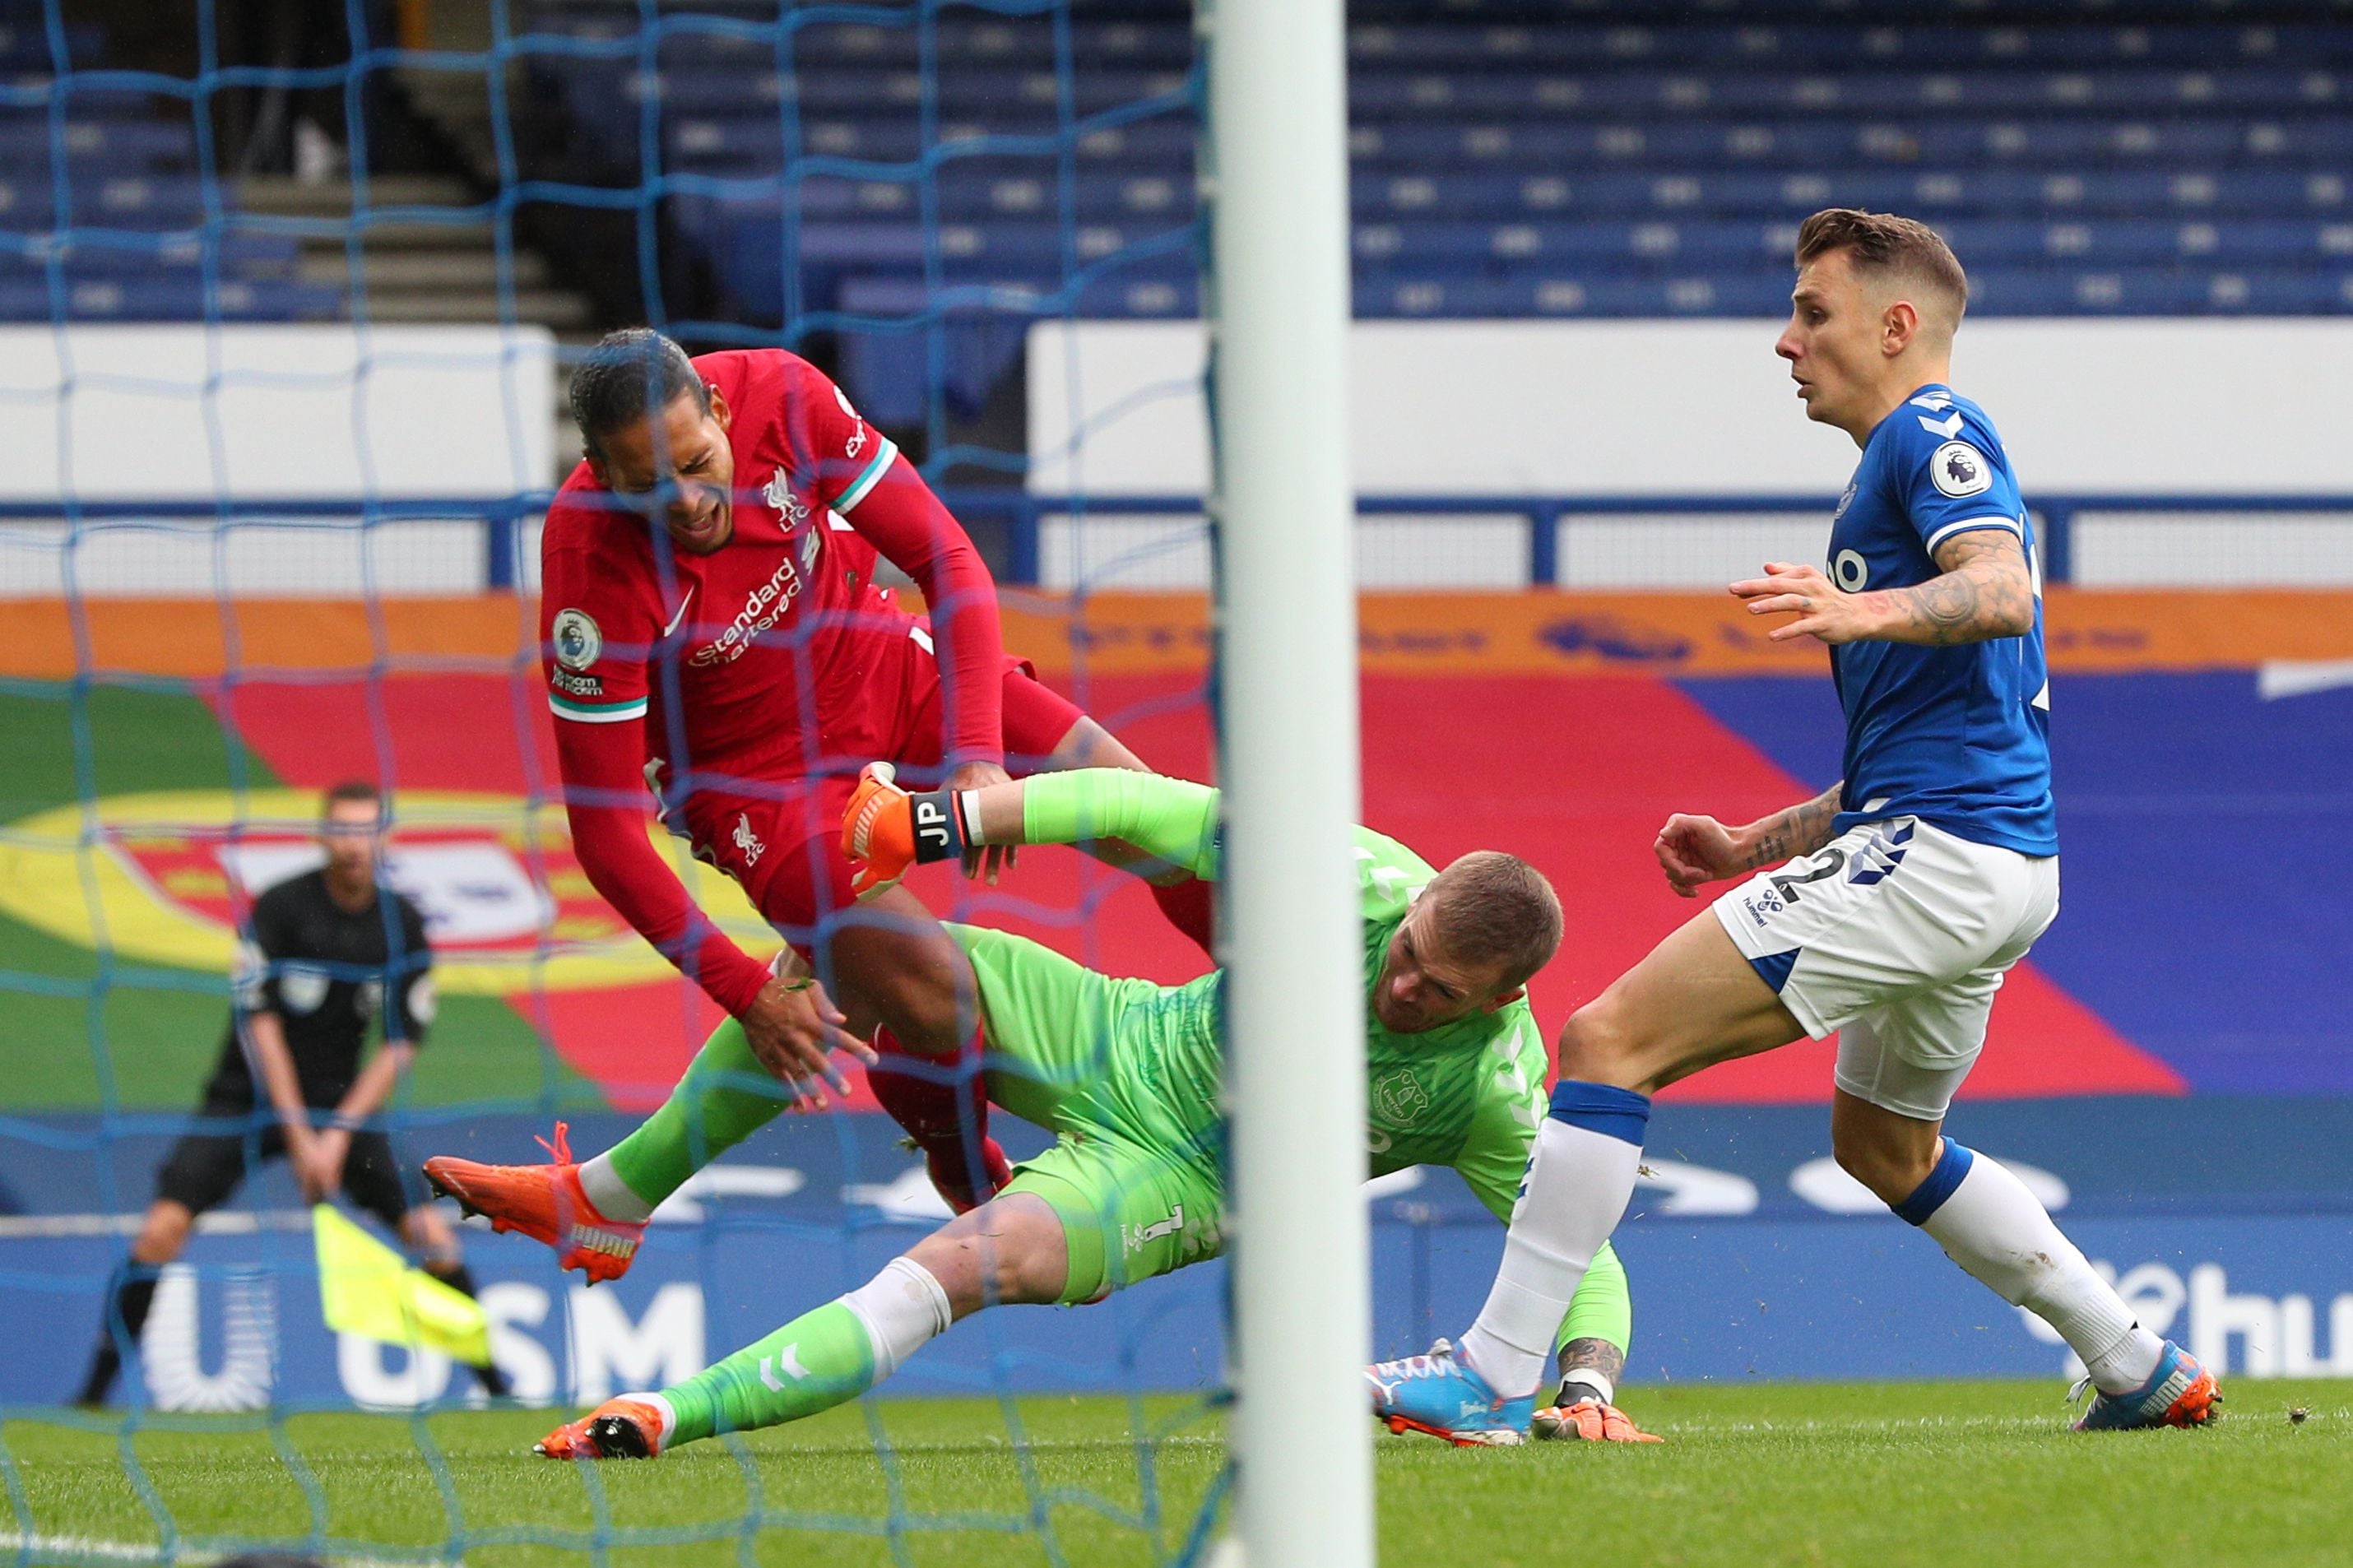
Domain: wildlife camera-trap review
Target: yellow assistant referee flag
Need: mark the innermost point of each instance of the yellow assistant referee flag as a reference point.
(366, 1288)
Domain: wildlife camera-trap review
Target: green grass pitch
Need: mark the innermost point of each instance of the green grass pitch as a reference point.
(1879, 1474)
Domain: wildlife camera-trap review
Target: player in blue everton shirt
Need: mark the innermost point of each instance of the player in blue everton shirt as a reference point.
(1911, 888)
(1953, 730)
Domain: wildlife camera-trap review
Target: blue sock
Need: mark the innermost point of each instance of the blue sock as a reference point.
(1619, 1114)
(1942, 1179)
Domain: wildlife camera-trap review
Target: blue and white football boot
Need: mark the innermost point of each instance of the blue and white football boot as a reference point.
(1438, 1395)
(2179, 1392)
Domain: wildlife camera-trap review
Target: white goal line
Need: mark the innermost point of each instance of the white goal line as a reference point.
(84, 1549)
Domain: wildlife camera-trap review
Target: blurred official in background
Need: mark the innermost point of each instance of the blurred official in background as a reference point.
(324, 953)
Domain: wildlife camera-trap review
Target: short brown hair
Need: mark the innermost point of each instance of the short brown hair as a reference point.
(350, 790)
(1494, 908)
(1882, 242)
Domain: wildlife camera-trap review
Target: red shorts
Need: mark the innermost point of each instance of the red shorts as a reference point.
(780, 838)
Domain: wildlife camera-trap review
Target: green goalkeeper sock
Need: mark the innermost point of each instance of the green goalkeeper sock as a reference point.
(817, 1361)
(725, 1098)
(1602, 1309)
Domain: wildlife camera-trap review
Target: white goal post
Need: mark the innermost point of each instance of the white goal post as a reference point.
(1276, 170)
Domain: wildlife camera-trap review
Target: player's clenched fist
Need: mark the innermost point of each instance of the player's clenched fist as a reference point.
(884, 830)
(1693, 850)
(878, 831)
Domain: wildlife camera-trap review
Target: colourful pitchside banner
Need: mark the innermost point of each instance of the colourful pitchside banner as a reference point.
(1136, 633)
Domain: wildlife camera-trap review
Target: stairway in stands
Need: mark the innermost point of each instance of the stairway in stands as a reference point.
(436, 266)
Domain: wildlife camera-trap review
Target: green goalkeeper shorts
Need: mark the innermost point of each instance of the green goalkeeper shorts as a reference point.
(1125, 1073)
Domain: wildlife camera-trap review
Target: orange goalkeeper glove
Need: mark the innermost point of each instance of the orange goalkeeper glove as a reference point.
(1591, 1421)
(884, 830)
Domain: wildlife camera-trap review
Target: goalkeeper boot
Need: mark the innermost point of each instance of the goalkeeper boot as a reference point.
(1441, 1394)
(1577, 1416)
(630, 1428)
(2179, 1392)
(545, 1203)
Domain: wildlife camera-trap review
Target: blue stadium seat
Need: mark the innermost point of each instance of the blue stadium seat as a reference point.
(1510, 157)
(1624, 161)
(164, 300)
(129, 147)
(243, 258)
(104, 199)
(998, 96)
(2160, 291)
(2135, 242)
(1817, 45)
(1381, 94)
(1684, 293)
(752, 138)
(1009, 41)
(1937, 194)
(25, 45)
(988, 189)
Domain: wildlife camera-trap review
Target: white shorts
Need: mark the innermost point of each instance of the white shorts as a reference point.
(1895, 935)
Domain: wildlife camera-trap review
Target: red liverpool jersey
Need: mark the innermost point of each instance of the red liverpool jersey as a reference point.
(753, 629)
(732, 663)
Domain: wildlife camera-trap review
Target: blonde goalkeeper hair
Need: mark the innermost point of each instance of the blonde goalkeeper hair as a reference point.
(1494, 908)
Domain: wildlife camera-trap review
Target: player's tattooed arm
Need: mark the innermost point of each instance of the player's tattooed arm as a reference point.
(1696, 850)
(1986, 592)
(1786, 835)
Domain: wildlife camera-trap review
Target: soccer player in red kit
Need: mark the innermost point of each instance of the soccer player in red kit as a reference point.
(711, 627)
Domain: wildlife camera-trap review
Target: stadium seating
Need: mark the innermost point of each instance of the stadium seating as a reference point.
(1627, 162)
(121, 231)
(1611, 157)
(1632, 158)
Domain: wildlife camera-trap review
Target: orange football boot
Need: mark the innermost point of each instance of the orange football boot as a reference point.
(545, 1204)
(627, 1427)
(2179, 1392)
(1591, 1421)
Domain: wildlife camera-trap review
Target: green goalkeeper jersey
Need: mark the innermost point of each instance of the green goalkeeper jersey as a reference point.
(1469, 1094)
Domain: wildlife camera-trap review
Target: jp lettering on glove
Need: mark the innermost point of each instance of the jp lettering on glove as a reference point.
(886, 830)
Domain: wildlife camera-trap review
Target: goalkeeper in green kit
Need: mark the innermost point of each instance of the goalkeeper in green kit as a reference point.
(1129, 1074)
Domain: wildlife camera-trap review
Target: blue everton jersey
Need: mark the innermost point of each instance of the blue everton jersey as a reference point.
(1957, 736)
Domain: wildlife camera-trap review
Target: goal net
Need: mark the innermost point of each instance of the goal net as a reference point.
(289, 298)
